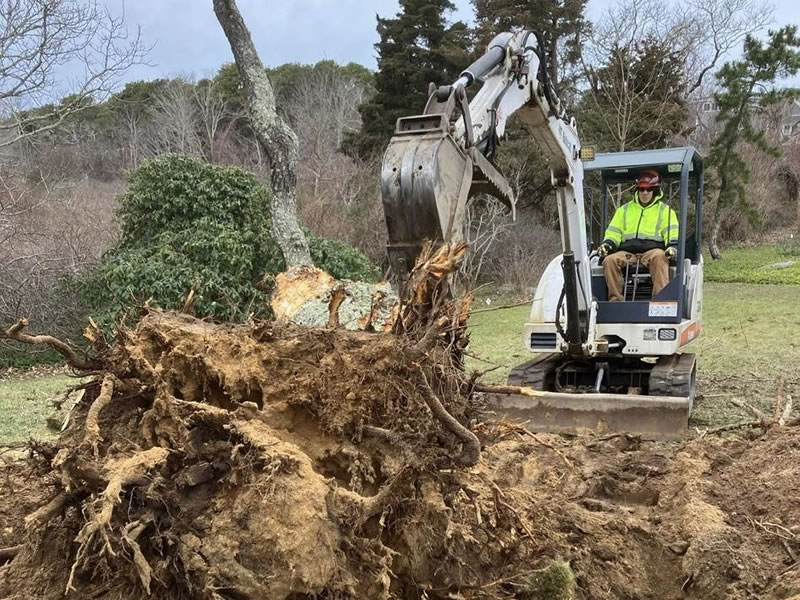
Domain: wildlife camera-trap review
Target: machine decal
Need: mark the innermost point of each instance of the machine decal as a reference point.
(662, 309)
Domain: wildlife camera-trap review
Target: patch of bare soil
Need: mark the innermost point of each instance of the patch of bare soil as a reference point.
(221, 462)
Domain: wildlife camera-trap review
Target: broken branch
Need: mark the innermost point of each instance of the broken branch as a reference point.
(16, 333)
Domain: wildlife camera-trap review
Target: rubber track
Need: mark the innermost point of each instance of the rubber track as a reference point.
(673, 376)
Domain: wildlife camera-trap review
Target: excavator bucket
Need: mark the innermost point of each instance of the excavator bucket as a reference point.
(660, 414)
(426, 180)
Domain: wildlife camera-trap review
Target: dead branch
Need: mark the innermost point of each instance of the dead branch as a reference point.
(504, 389)
(752, 410)
(729, 427)
(471, 451)
(476, 375)
(781, 413)
(16, 333)
(494, 308)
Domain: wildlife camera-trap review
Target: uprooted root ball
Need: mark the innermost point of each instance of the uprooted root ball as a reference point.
(221, 461)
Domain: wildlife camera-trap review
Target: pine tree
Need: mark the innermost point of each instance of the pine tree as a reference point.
(560, 23)
(747, 89)
(415, 48)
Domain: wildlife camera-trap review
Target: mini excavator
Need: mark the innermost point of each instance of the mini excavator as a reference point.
(596, 364)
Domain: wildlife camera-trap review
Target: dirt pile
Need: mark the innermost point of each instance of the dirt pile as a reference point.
(221, 462)
(264, 462)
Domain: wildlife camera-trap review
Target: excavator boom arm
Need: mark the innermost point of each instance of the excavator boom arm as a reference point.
(437, 161)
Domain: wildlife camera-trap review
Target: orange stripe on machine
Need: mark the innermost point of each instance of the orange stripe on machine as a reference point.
(691, 332)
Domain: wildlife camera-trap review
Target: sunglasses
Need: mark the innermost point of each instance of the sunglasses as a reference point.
(648, 190)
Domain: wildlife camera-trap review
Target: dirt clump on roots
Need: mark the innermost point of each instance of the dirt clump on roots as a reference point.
(243, 462)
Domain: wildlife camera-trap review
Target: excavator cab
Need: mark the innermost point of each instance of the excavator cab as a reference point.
(637, 378)
(618, 171)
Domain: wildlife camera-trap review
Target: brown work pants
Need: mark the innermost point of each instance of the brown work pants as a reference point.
(654, 260)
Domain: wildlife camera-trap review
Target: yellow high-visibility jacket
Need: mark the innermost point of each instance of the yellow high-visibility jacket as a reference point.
(636, 228)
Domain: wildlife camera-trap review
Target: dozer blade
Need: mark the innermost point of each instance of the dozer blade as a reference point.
(651, 417)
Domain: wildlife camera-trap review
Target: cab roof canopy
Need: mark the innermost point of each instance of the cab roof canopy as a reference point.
(626, 165)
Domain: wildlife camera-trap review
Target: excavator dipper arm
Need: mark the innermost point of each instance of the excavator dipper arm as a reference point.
(437, 160)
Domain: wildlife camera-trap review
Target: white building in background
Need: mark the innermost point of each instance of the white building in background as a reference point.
(783, 122)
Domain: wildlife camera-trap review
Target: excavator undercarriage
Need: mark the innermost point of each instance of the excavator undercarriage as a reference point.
(651, 399)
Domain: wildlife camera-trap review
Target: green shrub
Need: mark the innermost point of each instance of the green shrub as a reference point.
(556, 582)
(790, 247)
(187, 224)
(340, 260)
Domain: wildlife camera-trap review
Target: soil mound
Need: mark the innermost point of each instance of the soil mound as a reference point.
(234, 462)
(222, 462)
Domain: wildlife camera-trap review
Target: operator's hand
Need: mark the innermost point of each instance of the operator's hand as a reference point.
(603, 250)
(671, 252)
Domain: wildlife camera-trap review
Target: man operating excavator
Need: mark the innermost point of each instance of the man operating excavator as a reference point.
(643, 231)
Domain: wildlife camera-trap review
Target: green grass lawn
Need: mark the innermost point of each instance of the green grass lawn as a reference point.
(25, 407)
(750, 346)
(777, 264)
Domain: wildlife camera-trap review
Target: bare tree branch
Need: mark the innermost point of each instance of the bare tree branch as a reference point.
(39, 39)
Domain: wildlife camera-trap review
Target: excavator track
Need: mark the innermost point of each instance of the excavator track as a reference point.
(674, 375)
(659, 410)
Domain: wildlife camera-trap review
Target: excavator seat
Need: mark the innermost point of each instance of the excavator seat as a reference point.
(638, 285)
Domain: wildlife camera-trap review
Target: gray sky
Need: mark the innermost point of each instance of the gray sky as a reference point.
(189, 41)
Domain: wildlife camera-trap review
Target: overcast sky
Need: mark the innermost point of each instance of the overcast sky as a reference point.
(188, 40)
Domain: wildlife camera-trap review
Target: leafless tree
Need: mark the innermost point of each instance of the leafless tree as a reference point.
(322, 108)
(486, 221)
(212, 112)
(275, 137)
(50, 230)
(39, 41)
(715, 28)
(696, 34)
(174, 120)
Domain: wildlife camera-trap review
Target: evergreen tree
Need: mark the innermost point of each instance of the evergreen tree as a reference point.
(748, 89)
(635, 100)
(560, 22)
(415, 48)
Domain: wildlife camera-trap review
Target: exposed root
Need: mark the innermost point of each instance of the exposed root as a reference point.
(122, 472)
(93, 439)
(43, 514)
(471, 452)
(6, 554)
(337, 296)
(130, 534)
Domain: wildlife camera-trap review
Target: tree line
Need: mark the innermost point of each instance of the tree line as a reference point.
(632, 79)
